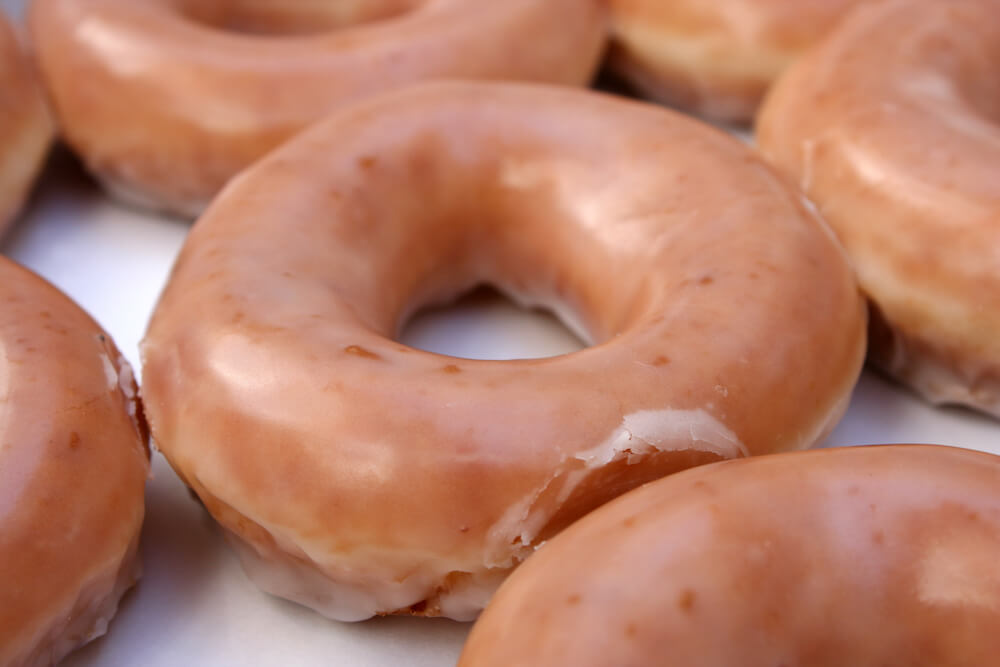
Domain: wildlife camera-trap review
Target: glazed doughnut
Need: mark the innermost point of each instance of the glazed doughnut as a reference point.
(25, 126)
(857, 556)
(360, 476)
(73, 465)
(899, 147)
(718, 58)
(166, 99)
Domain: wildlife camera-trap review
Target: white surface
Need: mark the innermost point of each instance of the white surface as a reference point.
(194, 606)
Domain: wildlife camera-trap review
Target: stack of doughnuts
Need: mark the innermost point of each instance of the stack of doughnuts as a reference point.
(649, 482)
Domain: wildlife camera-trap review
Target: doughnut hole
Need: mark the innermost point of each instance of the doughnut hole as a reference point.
(291, 17)
(485, 323)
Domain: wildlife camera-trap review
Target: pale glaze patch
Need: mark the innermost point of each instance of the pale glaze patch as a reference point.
(411, 480)
(110, 372)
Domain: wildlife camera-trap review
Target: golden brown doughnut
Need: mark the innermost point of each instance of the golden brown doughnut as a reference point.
(892, 127)
(166, 99)
(715, 58)
(863, 556)
(73, 464)
(359, 476)
(25, 126)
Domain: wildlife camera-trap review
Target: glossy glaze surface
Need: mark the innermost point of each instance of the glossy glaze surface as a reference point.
(862, 556)
(899, 147)
(410, 481)
(194, 606)
(73, 465)
(716, 59)
(165, 100)
(25, 126)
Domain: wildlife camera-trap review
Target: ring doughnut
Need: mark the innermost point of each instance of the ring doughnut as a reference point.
(714, 58)
(25, 126)
(73, 465)
(165, 100)
(899, 147)
(359, 476)
(853, 556)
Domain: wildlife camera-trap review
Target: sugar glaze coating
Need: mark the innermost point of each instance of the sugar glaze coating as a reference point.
(360, 476)
(25, 125)
(899, 147)
(861, 556)
(165, 100)
(716, 59)
(73, 465)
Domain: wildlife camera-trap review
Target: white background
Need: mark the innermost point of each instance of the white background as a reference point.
(194, 606)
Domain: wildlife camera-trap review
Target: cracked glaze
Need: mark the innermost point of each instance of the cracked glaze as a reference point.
(860, 556)
(165, 100)
(275, 388)
(642, 431)
(899, 147)
(73, 468)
